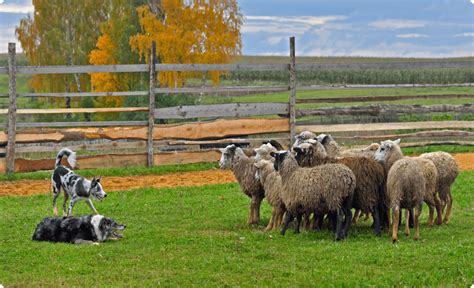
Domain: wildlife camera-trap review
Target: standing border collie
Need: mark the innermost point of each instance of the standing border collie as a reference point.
(73, 185)
(78, 230)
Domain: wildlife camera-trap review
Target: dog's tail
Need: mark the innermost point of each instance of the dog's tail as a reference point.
(70, 155)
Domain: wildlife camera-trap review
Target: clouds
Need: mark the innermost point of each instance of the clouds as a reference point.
(412, 35)
(397, 24)
(15, 8)
(465, 34)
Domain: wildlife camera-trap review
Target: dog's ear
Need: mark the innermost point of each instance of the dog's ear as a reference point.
(93, 179)
(98, 179)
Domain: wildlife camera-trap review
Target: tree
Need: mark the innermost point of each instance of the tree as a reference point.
(61, 32)
(189, 32)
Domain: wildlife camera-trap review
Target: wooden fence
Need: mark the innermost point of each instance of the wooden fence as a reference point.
(135, 143)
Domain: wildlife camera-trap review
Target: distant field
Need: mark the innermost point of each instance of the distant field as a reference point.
(198, 236)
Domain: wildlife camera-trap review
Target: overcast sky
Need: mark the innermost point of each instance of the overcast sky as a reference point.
(397, 28)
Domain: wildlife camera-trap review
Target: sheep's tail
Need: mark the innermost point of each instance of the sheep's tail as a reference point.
(70, 155)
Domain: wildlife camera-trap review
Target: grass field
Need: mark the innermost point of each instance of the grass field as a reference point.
(197, 236)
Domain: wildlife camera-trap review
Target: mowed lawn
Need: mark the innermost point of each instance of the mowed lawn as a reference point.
(198, 236)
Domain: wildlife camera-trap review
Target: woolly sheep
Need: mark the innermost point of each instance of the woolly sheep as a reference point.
(448, 170)
(244, 171)
(368, 151)
(263, 152)
(303, 136)
(370, 179)
(328, 142)
(305, 190)
(405, 185)
(271, 182)
(431, 181)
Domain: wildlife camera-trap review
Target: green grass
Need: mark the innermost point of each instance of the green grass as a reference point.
(128, 171)
(434, 148)
(197, 236)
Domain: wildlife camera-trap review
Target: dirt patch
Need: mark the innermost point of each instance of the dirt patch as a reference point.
(197, 178)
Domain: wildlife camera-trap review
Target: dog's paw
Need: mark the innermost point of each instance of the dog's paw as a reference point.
(95, 243)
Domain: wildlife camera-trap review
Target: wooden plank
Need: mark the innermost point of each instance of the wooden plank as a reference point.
(226, 141)
(151, 106)
(377, 110)
(86, 94)
(82, 124)
(323, 128)
(292, 98)
(221, 110)
(382, 98)
(242, 89)
(200, 130)
(388, 65)
(11, 108)
(144, 68)
(76, 110)
(106, 147)
(378, 86)
(118, 160)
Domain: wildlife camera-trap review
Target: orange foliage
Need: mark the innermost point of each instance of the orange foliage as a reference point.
(198, 32)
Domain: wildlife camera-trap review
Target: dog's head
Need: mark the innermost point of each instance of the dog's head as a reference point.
(96, 189)
(106, 228)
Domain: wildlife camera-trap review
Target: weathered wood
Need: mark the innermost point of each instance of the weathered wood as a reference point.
(118, 160)
(198, 130)
(86, 94)
(11, 108)
(250, 141)
(323, 128)
(145, 68)
(378, 86)
(81, 124)
(76, 110)
(388, 65)
(381, 98)
(377, 110)
(151, 106)
(221, 110)
(105, 147)
(242, 89)
(292, 98)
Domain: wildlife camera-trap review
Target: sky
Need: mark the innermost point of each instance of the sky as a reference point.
(378, 28)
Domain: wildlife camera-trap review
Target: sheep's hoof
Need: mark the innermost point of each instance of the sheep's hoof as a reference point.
(394, 240)
(417, 238)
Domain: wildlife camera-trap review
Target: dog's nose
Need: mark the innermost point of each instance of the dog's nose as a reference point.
(105, 195)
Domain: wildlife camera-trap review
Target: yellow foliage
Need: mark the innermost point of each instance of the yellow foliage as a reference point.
(189, 32)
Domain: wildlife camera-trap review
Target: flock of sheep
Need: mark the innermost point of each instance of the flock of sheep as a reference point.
(318, 184)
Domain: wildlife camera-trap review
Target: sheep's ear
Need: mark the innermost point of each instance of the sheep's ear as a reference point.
(233, 147)
(397, 141)
(222, 150)
(298, 149)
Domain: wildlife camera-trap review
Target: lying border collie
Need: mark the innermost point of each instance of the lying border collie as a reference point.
(74, 186)
(78, 230)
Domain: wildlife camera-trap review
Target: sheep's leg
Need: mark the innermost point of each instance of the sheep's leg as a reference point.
(281, 214)
(356, 216)
(417, 222)
(449, 203)
(439, 213)
(410, 219)
(407, 222)
(376, 215)
(277, 220)
(299, 216)
(431, 206)
(339, 224)
(395, 221)
(251, 214)
(272, 220)
(347, 219)
(258, 204)
(288, 219)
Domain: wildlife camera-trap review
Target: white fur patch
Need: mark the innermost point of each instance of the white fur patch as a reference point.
(95, 223)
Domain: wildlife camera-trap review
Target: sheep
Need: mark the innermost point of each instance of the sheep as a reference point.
(405, 185)
(271, 182)
(368, 151)
(303, 136)
(275, 144)
(448, 170)
(305, 190)
(244, 171)
(431, 181)
(263, 152)
(370, 179)
(331, 146)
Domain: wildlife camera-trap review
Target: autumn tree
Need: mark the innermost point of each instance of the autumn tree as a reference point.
(189, 32)
(61, 32)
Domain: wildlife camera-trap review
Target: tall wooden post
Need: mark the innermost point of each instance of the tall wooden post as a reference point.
(292, 103)
(151, 114)
(11, 108)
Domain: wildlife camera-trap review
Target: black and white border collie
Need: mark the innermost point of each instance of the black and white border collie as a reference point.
(78, 230)
(73, 185)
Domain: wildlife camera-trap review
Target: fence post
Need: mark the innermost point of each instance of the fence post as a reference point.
(292, 103)
(151, 113)
(11, 108)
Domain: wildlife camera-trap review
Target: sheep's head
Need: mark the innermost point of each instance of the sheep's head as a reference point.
(302, 137)
(227, 156)
(279, 158)
(372, 147)
(385, 149)
(324, 139)
(275, 144)
(260, 165)
(263, 152)
(302, 152)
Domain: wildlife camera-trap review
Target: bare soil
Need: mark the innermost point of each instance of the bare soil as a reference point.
(197, 178)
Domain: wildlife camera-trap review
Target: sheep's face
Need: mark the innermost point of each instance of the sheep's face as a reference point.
(279, 158)
(263, 152)
(302, 137)
(372, 147)
(227, 156)
(384, 150)
(302, 152)
(260, 165)
(324, 139)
